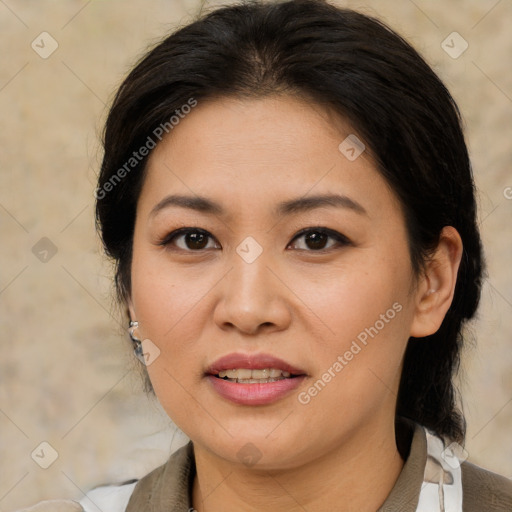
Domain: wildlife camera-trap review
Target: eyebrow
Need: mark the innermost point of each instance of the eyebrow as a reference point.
(290, 207)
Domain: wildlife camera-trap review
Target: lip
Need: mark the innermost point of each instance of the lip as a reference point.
(255, 393)
(252, 362)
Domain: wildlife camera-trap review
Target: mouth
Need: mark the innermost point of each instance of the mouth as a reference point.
(253, 379)
(253, 369)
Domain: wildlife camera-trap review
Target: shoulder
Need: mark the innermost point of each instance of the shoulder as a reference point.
(169, 483)
(170, 479)
(483, 488)
(113, 498)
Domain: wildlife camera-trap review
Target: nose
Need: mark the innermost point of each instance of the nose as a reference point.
(252, 297)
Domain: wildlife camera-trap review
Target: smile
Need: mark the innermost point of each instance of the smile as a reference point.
(253, 379)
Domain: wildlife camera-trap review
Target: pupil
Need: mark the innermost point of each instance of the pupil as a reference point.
(316, 240)
(194, 240)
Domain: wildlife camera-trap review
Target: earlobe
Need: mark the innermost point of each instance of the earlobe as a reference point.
(437, 285)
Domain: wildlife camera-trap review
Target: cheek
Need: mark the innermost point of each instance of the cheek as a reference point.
(365, 312)
(166, 303)
(351, 297)
(165, 295)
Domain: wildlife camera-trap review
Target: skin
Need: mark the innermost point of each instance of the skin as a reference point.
(295, 301)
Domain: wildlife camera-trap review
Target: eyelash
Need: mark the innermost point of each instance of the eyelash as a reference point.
(340, 239)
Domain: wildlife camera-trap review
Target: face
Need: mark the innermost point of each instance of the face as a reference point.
(265, 268)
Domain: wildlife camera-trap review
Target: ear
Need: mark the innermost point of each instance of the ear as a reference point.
(436, 287)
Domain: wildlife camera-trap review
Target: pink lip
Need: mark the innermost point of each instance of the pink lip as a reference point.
(252, 362)
(253, 394)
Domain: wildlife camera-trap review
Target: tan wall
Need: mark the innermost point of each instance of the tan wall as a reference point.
(66, 368)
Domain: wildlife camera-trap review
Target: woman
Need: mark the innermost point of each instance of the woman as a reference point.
(287, 194)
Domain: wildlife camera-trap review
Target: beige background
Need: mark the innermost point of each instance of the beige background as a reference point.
(67, 375)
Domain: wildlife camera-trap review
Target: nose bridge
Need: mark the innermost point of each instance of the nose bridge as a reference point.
(250, 274)
(251, 294)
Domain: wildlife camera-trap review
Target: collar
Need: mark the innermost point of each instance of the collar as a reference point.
(430, 480)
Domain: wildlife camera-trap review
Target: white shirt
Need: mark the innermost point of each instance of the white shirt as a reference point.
(108, 498)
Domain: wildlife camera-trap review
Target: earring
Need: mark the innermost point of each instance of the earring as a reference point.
(137, 343)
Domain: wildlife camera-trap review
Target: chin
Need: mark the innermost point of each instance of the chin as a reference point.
(254, 448)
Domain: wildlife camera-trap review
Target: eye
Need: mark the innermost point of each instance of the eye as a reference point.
(315, 238)
(192, 239)
(196, 239)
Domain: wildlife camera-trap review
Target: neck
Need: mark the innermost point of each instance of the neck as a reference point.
(357, 475)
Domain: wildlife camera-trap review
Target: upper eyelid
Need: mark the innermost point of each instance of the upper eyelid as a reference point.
(330, 232)
(175, 233)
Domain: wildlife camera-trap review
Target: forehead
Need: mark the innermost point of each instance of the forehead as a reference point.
(272, 126)
(255, 151)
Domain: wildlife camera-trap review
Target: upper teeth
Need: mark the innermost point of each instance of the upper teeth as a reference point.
(245, 373)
